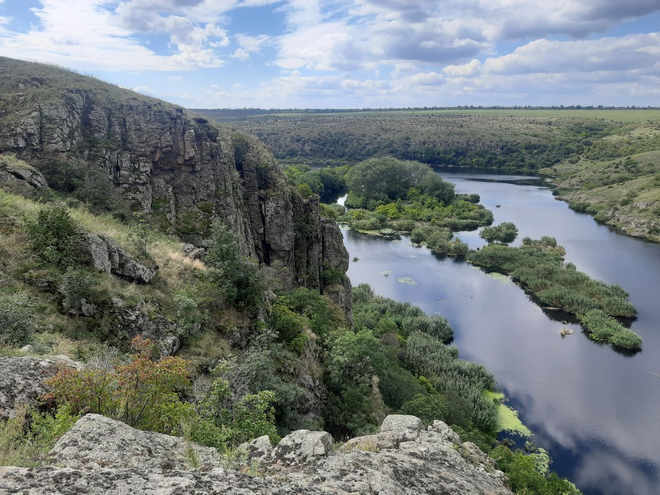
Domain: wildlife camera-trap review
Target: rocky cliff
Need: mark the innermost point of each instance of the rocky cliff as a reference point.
(183, 170)
(101, 455)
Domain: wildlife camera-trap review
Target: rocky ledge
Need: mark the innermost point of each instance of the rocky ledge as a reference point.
(22, 380)
(100, 455)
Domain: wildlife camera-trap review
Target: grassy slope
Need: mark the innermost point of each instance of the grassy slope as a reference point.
(20, 274)
(622, 193)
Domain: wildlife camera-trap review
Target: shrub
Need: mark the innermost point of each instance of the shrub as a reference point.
(504, 233)
(428, 408)
(53, 236)
(16, 322)
(78, 287)
(237, 277)
(141, 392)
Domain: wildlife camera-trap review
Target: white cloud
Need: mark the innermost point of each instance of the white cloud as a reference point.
(145, 90)
(241, 54)
(252, 44)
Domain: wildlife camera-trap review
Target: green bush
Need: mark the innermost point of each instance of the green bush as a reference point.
(236, 276)
(525, 478)
(504, 233)
(428, 408)
(16, 322)
(54, 236)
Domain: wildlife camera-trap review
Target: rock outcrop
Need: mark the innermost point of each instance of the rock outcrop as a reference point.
(183, 170)
(107, 256)
(22, 380)
(99, 456)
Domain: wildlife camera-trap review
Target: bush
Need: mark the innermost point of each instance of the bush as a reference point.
(79, 287)
(16, 322)
(504, 233)
(525, 478)
(428, 408)
(236, 276)
(142, 392)
(54, 237)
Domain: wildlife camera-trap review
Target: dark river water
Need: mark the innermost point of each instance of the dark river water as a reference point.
(597, 411)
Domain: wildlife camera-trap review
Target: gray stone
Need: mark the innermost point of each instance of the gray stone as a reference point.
(22, 380)
(302, 445)
(258, 449)
(401, 423)
(185, 170)
(107, 256)
(445, 432)
(97, 441)
(99, 455)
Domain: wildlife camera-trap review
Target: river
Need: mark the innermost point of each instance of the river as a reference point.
(596, 411)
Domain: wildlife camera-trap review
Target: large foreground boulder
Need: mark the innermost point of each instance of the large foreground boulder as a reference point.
(96, 441)
(99, 455)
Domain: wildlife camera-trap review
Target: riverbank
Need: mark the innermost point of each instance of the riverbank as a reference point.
(621, 193)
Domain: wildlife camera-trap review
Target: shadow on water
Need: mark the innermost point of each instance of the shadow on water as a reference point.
(592, 406)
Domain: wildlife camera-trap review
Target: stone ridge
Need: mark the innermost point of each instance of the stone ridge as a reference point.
(99, 455)
(178, 166)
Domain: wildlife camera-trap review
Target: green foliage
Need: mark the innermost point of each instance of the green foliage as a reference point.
(189, 316)
(80, 286)
(428, 408)
(463, 382)
(538, 267)
(141, 392)
(505, 233)
(241, 420)
(387, 179)
(17, 324)
(26, 438)
(524, 476)
(326, 182)
(86, 183)
(54, 236)
(603, 327)
(236, 276)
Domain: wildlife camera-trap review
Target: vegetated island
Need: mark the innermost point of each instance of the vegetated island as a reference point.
(538, 266)
(387, 197)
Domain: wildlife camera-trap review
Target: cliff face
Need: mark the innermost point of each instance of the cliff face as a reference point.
(173, 164)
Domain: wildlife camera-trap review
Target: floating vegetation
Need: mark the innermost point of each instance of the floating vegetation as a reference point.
(406, 280)
(500, 278)
(507, 418)
(566, 331)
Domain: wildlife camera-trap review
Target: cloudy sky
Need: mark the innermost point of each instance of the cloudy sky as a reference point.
(351, 53)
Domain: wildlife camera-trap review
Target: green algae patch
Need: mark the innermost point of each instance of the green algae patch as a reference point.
(507, 418)
(500, 278)
(406, 280)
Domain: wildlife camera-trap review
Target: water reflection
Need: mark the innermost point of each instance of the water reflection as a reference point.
(594, 409)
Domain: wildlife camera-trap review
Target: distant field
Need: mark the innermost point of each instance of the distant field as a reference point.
(614, 115)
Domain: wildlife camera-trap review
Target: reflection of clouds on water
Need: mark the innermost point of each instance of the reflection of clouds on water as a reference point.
(615, 475)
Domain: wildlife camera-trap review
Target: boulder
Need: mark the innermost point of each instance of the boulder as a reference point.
(22, 380)
(301, 446)
(99, 442)
(400, 423)
(258, 449)
(107, 256)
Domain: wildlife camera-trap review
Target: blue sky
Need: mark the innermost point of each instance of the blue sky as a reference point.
(351, 53)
